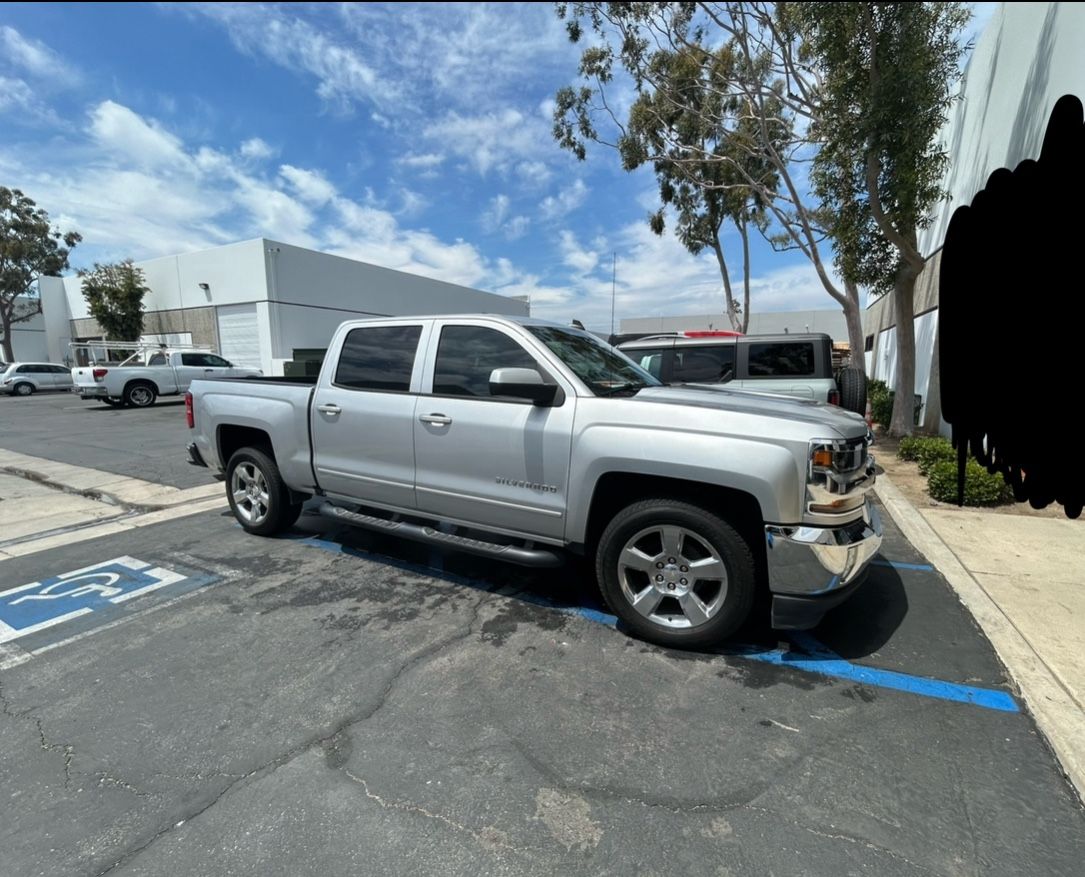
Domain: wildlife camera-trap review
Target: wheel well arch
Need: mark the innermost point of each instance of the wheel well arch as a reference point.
(230, 438)
(145, 381)
(615, 490)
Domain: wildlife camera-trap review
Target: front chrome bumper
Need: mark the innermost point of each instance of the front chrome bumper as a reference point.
(812, 569)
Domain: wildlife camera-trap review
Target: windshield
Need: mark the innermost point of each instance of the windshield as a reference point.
(606, 371)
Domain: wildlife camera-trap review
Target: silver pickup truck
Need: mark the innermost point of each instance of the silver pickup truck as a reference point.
(521, 440)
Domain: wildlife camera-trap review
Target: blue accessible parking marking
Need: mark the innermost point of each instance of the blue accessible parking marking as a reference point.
(804, 653)
(97, 589)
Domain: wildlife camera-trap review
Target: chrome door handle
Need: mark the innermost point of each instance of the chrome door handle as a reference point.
(438, 419)
(208, 371)
(329, 409)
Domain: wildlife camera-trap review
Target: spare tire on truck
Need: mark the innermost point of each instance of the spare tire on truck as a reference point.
(853, 390)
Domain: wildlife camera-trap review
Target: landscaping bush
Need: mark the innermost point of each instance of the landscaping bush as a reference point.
(980, 486)
(881, 409)
(926, 451)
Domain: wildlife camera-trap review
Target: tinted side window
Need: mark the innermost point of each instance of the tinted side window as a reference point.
(157, 359)
(380, 358)
(703, 365)
(59, 370)
(212, 361)
(782, 359)
(25, 369)
(192, 359)
(649, 359)
(467, 355)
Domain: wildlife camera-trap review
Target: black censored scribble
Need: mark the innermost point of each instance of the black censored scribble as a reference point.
(1012, 320)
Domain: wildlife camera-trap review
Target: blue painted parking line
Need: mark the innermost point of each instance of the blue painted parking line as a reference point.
(99, 591)
(806, 653)
(897, 564)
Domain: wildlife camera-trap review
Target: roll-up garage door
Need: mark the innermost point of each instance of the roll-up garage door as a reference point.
(239, 335)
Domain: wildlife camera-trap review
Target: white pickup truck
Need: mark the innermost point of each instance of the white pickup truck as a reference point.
(147, 374)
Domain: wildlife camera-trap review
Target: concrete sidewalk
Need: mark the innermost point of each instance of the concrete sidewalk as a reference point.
(1023, 579)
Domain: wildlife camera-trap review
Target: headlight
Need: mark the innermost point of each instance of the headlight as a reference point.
(839, 474)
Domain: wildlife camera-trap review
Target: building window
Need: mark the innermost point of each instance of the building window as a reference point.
(868, 345)
(380, 358)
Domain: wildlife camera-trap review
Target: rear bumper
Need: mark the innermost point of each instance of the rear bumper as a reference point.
(195, 458)
(92, 392)
(813, 569)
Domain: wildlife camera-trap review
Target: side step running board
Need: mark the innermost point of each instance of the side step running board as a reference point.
(508, 553)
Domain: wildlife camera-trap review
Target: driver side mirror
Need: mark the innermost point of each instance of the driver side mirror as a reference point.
(522, 383)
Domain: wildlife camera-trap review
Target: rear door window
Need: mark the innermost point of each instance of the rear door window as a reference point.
(703, 365)
(378, 358)
(781, 359)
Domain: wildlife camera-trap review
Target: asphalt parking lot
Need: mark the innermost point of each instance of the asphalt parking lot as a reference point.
(139, 442)
(340, 702)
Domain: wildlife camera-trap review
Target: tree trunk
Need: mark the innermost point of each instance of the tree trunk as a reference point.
(5, 327)
(853, 316)
(717, 248)
(744, 230)
(903, 420)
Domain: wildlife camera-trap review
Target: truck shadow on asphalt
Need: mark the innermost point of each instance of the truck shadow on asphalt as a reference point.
(547, 598)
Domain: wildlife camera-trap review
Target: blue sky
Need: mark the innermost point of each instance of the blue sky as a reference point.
(412, 136)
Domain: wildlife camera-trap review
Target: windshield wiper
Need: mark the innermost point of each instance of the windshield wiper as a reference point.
(635, 386)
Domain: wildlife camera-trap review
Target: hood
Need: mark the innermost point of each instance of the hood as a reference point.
(847, 423)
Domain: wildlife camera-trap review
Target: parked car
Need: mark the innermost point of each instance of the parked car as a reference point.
(789, 365)
(520, 440)
(147, 374)
(24, 378)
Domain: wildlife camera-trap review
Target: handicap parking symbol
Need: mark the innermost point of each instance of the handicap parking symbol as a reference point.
(40, 605)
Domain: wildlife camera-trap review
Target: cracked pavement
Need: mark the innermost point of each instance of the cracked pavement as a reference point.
(313, 712)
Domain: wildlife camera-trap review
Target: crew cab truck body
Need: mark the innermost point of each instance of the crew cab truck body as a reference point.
(147, 374)
(520, 440)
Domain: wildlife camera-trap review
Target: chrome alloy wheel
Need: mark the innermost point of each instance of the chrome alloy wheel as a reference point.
(249, 489)
(672, 576)
(141, 396)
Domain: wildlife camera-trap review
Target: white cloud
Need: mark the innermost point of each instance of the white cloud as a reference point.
(119, 130)
(425, 160)
(310, 186)
(580, 259)
(496, 218)
(35, 57)
(496, 140)
(411, 203)
(567, 200)
(343, 76)
(15, 93)
(256, 149)
(534, 174)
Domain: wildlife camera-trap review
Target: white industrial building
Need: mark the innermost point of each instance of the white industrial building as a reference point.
(258, 302)
(1028, 56)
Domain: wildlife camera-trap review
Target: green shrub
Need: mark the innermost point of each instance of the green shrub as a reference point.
(876, 389)
(980, 486)
(881, 408)
(926, 451)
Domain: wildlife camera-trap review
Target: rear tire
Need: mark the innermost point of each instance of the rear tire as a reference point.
(140, 394)
(22, 389)
(853, 390)
(258, 497)
(675, 573)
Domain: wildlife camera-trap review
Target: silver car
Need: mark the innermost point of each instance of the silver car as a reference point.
(24, 378)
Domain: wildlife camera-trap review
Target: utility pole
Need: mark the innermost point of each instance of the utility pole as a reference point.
(613, 283)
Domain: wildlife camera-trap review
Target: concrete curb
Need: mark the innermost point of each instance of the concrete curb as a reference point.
(1058, 716)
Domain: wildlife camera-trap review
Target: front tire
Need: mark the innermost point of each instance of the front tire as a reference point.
(258, 498)
(140, 395)
(675, 573)
(23, 389)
